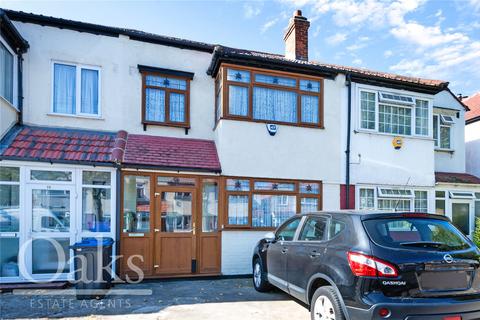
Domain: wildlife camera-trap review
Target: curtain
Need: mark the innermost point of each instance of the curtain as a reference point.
(237, 210)
(310, 109)
(154, 105)
(177, 107)
(275, 105)
(89, 98)
(308, 205)
(271, 211)
(64, 89)
(238, 100)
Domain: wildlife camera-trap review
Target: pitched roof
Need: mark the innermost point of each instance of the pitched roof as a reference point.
(473, 103)
(171, 153)
(62, 145)
(11, 34)
(222, 52)
(451, 177)
(318, 68)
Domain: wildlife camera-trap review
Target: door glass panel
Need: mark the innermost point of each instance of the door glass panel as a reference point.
(314, 230)
(176, 212)
(9, 257)
(96, 212)
(51, 210)
(175, 181)
(136, 204)
(48, 255)
(96, 178)
(461, 217)
(9, 208)
(210, 206)
(43, 175)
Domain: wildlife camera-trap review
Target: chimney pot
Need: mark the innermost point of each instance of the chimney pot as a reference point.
(296, 37)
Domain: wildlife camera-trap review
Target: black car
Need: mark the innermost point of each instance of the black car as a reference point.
(358, 265)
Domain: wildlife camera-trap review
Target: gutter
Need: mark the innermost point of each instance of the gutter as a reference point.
(348, 83)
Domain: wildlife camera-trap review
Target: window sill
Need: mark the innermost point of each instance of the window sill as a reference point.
(392, 135)
(300, 125)
(166, 124)
(8, 103)
(451, 151)
(247, 228)
(82, 116)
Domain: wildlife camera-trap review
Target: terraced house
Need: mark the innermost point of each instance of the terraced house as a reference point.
(186, 153)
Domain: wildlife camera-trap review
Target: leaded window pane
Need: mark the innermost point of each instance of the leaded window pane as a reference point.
(421, 117)
(280, 81)
(395, 119)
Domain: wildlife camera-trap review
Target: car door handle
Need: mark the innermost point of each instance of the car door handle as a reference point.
(314, 254)
(284, 250)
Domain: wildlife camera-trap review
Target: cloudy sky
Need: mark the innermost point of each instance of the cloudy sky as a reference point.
(437, 39)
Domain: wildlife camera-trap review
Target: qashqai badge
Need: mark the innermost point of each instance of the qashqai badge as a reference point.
(448, 258)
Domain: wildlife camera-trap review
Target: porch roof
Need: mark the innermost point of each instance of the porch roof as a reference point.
(452, 177)
(144, 151)
(61, 145)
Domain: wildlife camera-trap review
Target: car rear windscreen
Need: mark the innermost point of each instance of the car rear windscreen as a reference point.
(415, 233)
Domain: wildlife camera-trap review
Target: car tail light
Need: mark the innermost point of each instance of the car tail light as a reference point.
(452, 318)
(384, 313)
(367, 266)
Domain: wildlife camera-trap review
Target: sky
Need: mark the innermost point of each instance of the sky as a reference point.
(435, 39)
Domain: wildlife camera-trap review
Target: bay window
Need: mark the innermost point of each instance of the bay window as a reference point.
(76, 89)
(270, 97)
(393, 199)
(165, 96)
(6, 73)
(393, 113)
(261, 203)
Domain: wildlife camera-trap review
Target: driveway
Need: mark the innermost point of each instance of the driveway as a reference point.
(228, 299)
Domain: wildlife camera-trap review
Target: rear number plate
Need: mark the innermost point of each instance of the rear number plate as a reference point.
(444, 281)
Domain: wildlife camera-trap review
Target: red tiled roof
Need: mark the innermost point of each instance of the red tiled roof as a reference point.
(451, 177)
(58, 144)
(179, 153)
(473, 103)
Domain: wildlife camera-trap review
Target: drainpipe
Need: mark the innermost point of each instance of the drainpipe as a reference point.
(348, 83)
(117, 213)
(20, 88)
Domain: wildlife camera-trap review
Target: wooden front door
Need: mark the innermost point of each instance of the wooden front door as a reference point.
(170, 224)
(175, 231)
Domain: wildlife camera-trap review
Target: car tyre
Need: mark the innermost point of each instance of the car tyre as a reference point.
(326, 305)
(260, 282)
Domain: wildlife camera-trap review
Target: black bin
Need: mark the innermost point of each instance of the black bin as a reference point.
(92, 263)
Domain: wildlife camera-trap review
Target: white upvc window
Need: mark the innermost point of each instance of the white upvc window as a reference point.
(76, 89)
(6, 73)
(393, 199)
(393, 113)
(442, 131)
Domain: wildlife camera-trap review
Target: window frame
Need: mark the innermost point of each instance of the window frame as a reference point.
(438, 129)
(412, 107)
(12, 103)
(168, 91)
(78, 90)
(377, 196)
(251, 192)
(225, 83)
(96, 186)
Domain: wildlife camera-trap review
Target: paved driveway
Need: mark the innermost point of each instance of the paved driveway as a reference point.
(227, 299)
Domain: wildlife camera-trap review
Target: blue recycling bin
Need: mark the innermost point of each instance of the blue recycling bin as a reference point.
(93, 277)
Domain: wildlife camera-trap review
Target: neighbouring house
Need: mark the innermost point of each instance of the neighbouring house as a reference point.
(187, 153)
(472, 138)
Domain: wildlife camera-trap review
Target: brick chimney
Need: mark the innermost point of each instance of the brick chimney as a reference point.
(296, 37)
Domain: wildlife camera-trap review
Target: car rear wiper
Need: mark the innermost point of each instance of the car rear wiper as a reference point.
(422, 244)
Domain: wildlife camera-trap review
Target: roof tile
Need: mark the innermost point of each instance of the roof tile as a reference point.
(452, 177)
(171, 152)
(473, 103)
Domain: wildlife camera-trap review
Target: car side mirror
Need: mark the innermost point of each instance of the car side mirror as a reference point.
(270, 237)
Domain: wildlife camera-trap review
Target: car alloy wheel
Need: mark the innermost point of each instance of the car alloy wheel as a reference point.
(257, 275)
(323, 309)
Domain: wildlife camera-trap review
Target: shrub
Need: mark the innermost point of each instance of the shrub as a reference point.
(476, 233)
